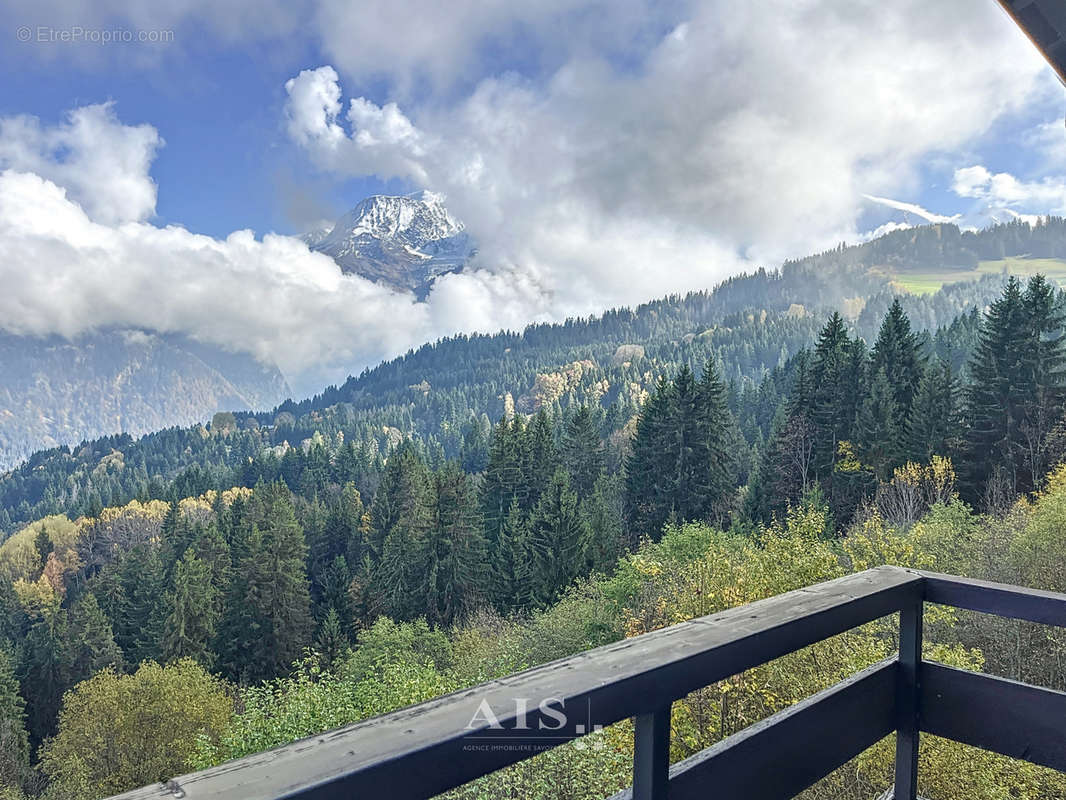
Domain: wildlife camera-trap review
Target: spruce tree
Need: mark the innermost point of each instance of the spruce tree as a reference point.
(283, 600)
(542, 459)
(713, 476)
(1002, 380)
(267, 620)
(512, 579)
(505, 476)
(558, 536)
(401, 500)
(330, 642)
(191, 624)
(897, 354)
(140, 630)
(878, 434)
(457, 567)
(603, 517)
(336, 593)
(90, 641)
(934, 425)
(43, 670)
(14, 740)
(582, 451)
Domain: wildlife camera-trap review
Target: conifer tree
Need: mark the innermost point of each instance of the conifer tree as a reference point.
(648, 472)
(505, 476)
(401, 500)
(330, 641)
(14, 741)
(582, 451)
(140, 630)
(1002, 380)
(191, 624)
(558, 536)
(283, 601)
(267, 621)
(456, 568)
(934, 425)
(896, 353)
(43, 670)
(713, 477)
(542, 459)
(836, 377)
(603, 517)
(90, 641)
(878, 434)
(336, 593)
(512, 564)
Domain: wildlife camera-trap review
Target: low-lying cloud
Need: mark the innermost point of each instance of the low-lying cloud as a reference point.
(599, 159)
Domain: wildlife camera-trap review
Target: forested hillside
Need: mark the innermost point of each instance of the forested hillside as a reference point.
(445, 394)
(57, 391)
(489, 503)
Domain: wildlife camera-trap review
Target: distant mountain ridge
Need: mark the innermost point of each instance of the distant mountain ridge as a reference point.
(404, 242)
(55, 392)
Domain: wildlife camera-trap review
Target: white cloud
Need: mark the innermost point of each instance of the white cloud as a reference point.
(601, 152)
(1047, 195)
(102, 163)
(64, 273)
(746, 132)
(912, 208)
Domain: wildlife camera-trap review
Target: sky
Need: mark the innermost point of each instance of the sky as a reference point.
(156, 161)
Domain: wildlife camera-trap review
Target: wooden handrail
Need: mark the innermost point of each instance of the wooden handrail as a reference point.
(423, 750)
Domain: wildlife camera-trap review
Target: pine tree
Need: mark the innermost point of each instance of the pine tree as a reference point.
(457, 556)
(330, 642)
(878, 434)
(1002, 379)
(934, 425)
(582, 451)
(90, 641)
(267, 622)
(649, 486)
(897, 354)
(558, 536)
(140, 631)
(191, 624)
(512, 564)
(14, 741)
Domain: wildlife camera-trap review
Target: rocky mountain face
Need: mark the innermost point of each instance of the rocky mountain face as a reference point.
(404, 242)
(54, 391)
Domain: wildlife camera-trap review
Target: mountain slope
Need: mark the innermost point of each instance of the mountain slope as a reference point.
(403, 242)
(445, 393)
(55, 392)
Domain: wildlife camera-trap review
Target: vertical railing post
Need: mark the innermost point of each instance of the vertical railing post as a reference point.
(907, 694)
(651, 755)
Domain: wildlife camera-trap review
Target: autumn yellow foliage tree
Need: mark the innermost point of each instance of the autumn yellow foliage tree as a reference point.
(121, 731)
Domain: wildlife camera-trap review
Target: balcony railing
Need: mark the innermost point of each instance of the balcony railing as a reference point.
(427, 749)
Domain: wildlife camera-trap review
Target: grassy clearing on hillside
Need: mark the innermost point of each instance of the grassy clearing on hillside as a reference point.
(928, 281)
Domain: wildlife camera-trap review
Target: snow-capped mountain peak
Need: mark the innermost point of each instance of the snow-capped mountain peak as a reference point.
(404, 241)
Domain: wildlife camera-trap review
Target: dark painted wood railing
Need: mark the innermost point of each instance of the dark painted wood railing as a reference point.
(426, 749)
